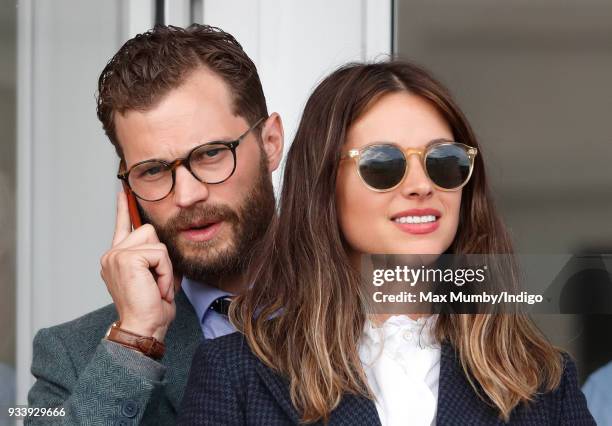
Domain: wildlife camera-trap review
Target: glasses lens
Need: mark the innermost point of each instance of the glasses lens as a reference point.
(382, 166)
(151, 180)
(448, 165)
(212, 163)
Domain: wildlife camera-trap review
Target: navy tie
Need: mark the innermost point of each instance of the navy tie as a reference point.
(221, 305)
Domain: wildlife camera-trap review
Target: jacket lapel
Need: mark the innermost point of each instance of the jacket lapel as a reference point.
(454, 391)
(456, 395)
(279, 387)
(183, 337)
(447, 395)
(353, 410)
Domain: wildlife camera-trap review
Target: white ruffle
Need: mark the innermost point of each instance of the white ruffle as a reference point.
(402, 363)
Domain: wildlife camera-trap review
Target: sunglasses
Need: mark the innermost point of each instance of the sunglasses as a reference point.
(383, 166)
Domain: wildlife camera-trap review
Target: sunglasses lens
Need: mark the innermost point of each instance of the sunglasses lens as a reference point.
(448, 166)
(382, 166)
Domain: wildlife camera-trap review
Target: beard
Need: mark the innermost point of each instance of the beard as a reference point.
(210, 261)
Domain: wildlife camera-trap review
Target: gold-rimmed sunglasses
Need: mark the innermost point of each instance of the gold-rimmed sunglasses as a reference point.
(383, 166)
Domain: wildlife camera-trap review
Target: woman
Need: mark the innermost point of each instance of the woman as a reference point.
(304, 351)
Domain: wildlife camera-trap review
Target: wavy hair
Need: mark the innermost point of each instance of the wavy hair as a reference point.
(305, 282)
(147, 67)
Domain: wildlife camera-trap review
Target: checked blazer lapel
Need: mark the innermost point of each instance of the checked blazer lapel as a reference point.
(183, 337)
(457, 401)
(456, 397)
(447, 394)
(355, 410)
(279, 387)
(352, 411)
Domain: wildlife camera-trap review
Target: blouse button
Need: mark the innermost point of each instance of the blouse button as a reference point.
(407, 335)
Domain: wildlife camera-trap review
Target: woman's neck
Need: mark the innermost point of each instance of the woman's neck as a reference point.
(377, 319)
(380, 319)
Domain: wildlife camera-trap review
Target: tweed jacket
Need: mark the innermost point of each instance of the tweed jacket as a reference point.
(228, 385)
(102, 383)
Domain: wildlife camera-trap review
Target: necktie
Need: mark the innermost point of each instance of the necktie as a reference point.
(221, 305)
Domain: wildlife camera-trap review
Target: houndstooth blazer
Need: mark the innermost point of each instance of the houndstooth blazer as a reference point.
(229, 386)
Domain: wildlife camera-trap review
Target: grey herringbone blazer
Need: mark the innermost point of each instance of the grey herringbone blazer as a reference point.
(101, 383)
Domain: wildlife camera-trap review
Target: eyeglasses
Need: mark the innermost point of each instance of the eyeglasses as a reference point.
(383, 166)
(210, 163)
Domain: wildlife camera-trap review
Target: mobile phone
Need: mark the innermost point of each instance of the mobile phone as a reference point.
(132, 207)
(132, 203)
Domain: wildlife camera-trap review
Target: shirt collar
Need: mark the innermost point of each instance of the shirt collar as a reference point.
(201, 295)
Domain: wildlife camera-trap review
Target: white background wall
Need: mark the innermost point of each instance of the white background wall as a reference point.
(296, 43)
(66, 167)
(65, 190)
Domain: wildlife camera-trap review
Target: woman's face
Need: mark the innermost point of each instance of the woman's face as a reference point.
(369, 220)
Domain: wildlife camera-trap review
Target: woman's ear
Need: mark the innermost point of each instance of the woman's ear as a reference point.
(273, 140)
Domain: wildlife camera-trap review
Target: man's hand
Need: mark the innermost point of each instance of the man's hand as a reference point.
(138, 275)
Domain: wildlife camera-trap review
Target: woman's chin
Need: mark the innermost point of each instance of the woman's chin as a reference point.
(416, 249)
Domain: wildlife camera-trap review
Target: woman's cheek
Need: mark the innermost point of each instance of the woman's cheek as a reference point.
(356, 230)
(453, 203)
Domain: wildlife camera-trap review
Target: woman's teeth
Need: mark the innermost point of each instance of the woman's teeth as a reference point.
(415, 219)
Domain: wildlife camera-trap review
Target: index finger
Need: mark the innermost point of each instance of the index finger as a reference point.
(123, 224)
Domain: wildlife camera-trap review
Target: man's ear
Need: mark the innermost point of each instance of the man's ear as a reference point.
(272, 136)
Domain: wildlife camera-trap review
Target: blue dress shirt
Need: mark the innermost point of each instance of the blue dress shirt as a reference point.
(201, 296)
(597, 391)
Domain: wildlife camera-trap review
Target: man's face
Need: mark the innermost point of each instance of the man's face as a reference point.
(209, 229)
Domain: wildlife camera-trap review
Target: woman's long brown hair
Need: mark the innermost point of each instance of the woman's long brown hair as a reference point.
(305, 282)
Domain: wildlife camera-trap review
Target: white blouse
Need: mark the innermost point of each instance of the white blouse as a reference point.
(402, 363)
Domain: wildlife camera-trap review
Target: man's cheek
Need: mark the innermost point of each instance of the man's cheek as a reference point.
(148, 216)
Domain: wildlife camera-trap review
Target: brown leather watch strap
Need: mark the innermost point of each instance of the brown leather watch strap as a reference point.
(149, 346)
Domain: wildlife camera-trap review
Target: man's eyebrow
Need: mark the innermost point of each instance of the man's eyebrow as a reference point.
(206, 141)
(219, 139)
(164, 160)
(153, 159)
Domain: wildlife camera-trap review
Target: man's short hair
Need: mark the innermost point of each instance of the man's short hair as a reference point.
(150, 65)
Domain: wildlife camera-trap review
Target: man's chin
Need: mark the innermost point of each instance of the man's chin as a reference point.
(210, 271)
(204, 253)
(202, 261)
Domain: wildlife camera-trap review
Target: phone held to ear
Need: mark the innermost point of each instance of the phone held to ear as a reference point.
(132, 204)
(132, 207)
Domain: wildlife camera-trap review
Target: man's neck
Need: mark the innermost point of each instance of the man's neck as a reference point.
(234, 284)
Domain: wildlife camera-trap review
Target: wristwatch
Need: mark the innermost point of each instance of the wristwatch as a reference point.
(149, 346)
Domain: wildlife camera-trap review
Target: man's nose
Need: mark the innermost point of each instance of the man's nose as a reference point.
(187, 189)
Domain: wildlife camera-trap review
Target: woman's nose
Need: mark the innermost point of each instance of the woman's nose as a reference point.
(416, 184)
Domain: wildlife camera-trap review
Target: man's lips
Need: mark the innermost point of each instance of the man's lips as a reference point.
(417, 221)
(199, 225)
(202, 232)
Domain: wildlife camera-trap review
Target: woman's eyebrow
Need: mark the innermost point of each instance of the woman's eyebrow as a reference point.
(428, 144)
(433, 141)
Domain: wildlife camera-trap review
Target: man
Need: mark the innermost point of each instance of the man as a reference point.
(597, 392)
(194, 96)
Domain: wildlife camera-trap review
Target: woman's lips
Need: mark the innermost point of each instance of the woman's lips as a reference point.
(418, 228)
(202, 234)
(417, 221)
